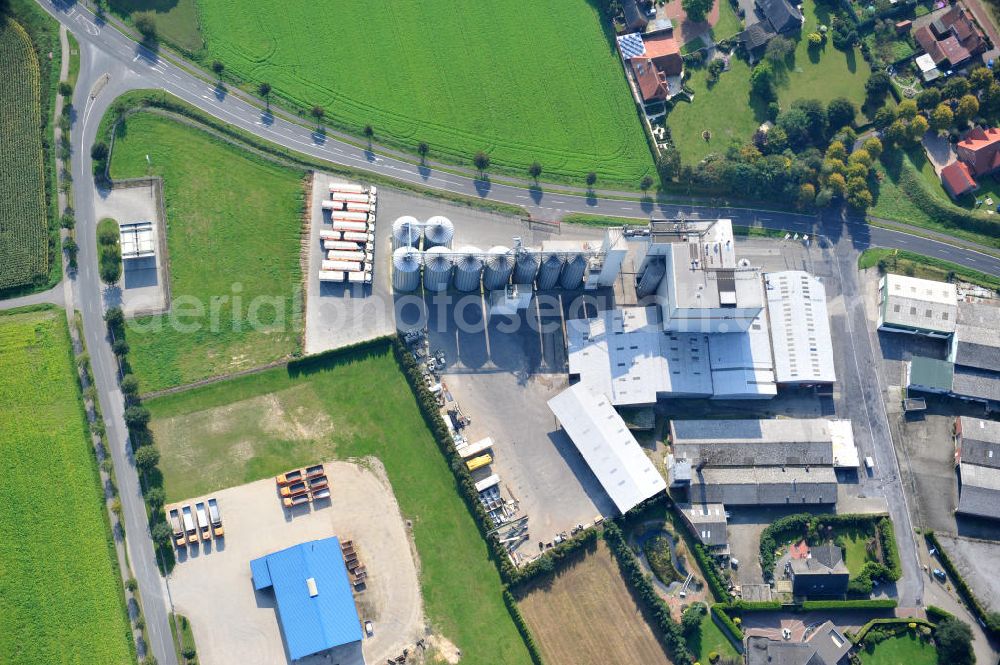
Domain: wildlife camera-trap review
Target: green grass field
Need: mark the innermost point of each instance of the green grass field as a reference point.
(252, 427)
(855, 548)
(907, 649)
(60, 598)
(176, 20)
(710, 638)
(822, 74)
(24, 249)
(522, 80)
(723, 109)
(916, 265)
(233, 232)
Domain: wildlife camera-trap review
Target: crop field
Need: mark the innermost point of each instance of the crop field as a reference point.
(521, 80)
(24, 254)
(233, 234)
(248, 428)
(588, 610)
(60, 598)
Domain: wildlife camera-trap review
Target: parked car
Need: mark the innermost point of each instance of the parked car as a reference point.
(938, 573)
(369, 628)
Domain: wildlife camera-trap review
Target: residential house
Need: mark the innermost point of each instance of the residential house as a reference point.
(635, 17)
(823, 573)
(773, 18)
(951, 40)
(825, 646)
(978, 155)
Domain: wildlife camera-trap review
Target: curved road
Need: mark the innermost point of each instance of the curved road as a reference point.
(112, 63)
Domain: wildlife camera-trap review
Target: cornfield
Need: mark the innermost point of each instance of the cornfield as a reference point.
(23, 217)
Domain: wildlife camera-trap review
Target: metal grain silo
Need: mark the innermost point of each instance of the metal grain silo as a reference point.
(438, 232)
(526, 266)
(406, 232)
(438, 264)
(572, 272)
(406, 269)
(499, 266)
(468, 269)
(548, 273)
(651, 278)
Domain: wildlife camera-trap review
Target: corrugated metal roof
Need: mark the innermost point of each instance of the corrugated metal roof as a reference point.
(800, 328)
(607, 446)
(311, 624)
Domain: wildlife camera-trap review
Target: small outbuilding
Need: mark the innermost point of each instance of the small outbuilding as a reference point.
(822, 573)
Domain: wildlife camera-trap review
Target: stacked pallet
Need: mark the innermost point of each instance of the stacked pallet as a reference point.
(349, 244)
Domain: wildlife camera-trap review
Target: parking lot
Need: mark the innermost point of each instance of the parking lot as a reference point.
(234, 625)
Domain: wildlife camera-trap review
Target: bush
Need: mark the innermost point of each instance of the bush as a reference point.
(935, 614)
(522, 627)
(146, 458)
(720, 613)
(870, 604)
(954, 642)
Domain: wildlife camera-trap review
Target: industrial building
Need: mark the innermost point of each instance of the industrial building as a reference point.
(708, 523)
(314, 602)
(719, 328)
(917, 306)
(977, 449)
(822, 573)
(972, 370)
(760, 462)
(607, 445)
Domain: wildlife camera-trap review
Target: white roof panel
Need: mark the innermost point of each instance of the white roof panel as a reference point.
(800, 328)
(607, 446)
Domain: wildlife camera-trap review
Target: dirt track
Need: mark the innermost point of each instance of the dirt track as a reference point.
(587, 615)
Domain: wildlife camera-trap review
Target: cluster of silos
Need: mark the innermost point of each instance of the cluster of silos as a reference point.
(468, 269)
(438, 232)
(551, 265)
(498, 269)
(408, 231)
(439, 263)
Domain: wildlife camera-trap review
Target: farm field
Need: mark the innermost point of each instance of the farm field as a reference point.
(521, 80)
(176, 20)
(907, 649)
(60, 598)
(24, 249)
(586, 610)
(233, 232)
(252, 427)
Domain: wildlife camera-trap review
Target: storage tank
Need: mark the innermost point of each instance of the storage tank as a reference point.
(346, 266)
(468, 269)
(651, 278)
(438, 264)
(499, 266)
(349, 216)
(548, 272)
(572, 272)
(344, 187)
(438, 232)
(525, 266)
(350, 198)
(406, 269)
(406, 232)
(347, 225)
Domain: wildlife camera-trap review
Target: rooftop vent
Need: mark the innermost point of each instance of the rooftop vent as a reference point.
(311, 585)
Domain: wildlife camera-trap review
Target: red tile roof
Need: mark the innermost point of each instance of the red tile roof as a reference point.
(956, 179)
(665, 52)
(960, 38)
(979, 149)
(799, 550)
(652, 82)
(953, 50)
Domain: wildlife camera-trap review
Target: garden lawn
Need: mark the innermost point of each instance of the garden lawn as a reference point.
(907, 649)
(723, 109)
(855, 549)
(710, 638)
(233, 230)
(522, 80)
(61, 600)
(221, 435)
(729, 23)
(824, 73)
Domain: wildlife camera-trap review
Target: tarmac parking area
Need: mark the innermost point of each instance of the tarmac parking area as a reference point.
(234, 625)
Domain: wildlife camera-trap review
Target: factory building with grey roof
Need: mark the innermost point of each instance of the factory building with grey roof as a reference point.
(977, 448)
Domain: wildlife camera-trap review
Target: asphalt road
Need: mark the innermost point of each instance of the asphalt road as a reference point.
(112, 64)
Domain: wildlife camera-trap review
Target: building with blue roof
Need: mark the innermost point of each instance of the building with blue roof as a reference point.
(315, 604)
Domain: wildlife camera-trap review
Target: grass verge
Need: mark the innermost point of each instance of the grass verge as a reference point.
(917, 265)
(710, 639)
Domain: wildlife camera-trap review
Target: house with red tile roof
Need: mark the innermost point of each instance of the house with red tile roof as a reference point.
(978, 155)
(654, 61)
(652, 82)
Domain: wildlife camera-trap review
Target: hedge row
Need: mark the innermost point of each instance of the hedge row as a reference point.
(522, 627)
(936, 614)
(990, 619)
(668, 630)
(720, 613)
(554, 559)
(779, 531)
(943, 213)
(861, 604)
(903, 622)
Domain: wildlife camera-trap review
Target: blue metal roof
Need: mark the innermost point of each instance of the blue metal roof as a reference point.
(310, 623)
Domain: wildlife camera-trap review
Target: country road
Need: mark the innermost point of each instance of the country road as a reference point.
(112, 64)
